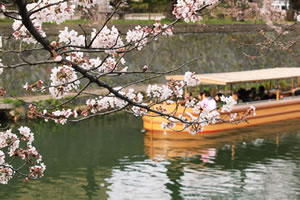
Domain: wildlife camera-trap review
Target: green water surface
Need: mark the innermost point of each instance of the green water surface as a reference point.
(106, 158)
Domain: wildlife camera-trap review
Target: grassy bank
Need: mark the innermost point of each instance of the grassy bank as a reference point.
(6, 21)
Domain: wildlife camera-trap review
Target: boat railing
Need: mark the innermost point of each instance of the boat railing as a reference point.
(270, 103)
(283, 95)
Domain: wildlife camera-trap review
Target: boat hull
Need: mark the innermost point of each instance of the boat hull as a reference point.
(266, 112)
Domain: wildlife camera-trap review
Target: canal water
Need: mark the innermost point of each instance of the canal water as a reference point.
(110, 158)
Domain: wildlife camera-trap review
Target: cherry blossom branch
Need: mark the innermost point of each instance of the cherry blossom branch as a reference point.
(71, 99)
(30, 63)
(160, 74)
(29, 25)
(46, 6)
(99, 114)
(105, 23)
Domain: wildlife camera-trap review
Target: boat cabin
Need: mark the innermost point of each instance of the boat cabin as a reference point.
(252, 76)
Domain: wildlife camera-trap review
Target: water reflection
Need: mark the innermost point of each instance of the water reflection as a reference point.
(250, 163)
(141, 180)
(274, 180)
(172, 145)
(111, 159)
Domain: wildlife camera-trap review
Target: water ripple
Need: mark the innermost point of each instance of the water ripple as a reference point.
(141, 180)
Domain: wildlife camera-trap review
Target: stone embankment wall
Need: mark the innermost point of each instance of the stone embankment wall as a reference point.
(212, 46)
(51, 29)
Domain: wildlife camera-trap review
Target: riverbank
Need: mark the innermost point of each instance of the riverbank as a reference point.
(52, 29)
(15, 108)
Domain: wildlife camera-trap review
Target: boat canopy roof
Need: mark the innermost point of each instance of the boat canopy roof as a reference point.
(225, 78)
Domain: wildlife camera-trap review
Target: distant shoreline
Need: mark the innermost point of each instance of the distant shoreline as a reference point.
(52, 29)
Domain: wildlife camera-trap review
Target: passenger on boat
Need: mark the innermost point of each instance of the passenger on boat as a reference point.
(242, 95)
(235, 97)
(200, 96)
(297, 92)
(218, 97)
(207, 101)
(261, 93)
(252, 96)
(271, 95)
(218, 100)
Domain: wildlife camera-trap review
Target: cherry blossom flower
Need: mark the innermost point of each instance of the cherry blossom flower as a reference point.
(37, 86)
(37, 171)
(154, 91)
(11, 142)
(145, 68)
(168, 125)
(253, 110)
(229, 102)
(2, 8)
(6, 173)
(168, 31)
(2, 157)
(190, 79)
(137, 36)
(108, 66)
(63, 80)
(71, 37)
(58, 12)
(164, 125)
(27, 135)
(137, 111)
(233, 117)
(13, 146)
(108, 39)
(57, 58)
(164, 29)
(20, 31)
(87, 3)
(104, 103)
(188, 9)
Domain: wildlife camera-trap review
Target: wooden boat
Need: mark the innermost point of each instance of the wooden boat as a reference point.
(267, 111)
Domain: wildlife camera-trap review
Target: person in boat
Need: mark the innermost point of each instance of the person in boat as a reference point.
(252, 96)
(207, 101)
(235, 96)
(271, 95)
(297, 92)
(242, 95)
(218, 100)
(218, 97)
(261, 93)
(200, 96)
